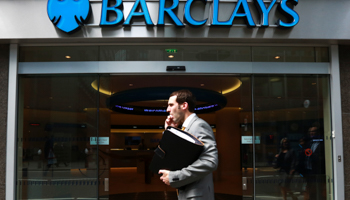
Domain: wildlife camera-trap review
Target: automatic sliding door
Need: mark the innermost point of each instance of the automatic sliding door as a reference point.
(134, 127)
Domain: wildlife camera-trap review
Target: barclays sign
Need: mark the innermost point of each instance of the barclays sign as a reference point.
(70, 15)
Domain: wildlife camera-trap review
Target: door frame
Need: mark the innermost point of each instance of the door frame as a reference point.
(159, 67)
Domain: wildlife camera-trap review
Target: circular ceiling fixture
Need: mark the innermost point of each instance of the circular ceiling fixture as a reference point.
(120, 101)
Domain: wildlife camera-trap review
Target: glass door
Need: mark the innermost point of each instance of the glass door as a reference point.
(133, 122)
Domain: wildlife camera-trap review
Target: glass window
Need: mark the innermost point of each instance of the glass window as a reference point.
(58, 54)
(273, 136)
(57, 123)
(283, 54)
(292, 118)
(173, 53)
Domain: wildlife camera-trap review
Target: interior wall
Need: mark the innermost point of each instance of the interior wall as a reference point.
(228, 138)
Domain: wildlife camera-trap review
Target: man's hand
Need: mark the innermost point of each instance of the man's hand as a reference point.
(170, 122)
(165, 176)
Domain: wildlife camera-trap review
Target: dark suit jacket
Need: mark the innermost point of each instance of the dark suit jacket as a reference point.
(196, 180)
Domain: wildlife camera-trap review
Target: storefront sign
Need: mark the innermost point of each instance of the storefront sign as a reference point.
(68, 15)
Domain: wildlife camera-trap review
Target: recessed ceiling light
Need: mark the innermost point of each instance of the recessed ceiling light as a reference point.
(274, 79)
(131, 84)
(171, 56)
(68, 57)
(279, 97)
(313, 83)
(277, 57)
(202, 84)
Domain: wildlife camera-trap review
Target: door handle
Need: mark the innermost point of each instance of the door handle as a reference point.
(244, 183)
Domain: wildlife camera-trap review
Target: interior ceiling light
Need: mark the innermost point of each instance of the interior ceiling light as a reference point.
(118, 102)
(171, 56)
(235, 85)
(131, 84)
(313, 83)
(277, 57)
(102, 90)
(274, 79)
(68, 57)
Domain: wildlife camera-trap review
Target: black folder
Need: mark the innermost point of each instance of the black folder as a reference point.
(176, 150)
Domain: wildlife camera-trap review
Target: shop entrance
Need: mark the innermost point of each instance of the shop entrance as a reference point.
(135, 127)
(77, 141)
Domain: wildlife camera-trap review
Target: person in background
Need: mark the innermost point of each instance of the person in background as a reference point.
(285, 161)
(315, 165)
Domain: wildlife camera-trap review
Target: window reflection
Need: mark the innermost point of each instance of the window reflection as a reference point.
(55, 123)
(220, 53)
(292, 116)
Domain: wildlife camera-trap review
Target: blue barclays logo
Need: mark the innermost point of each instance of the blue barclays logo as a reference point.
(68, 15)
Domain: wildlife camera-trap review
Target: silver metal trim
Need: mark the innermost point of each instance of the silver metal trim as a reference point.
(11, 124)
(253, 130)
(178, 43)
(338, 167)
(201, 67)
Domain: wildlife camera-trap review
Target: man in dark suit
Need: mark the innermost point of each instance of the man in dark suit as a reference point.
(194, 182)
(315, 165)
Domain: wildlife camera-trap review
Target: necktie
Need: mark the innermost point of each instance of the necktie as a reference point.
(183, 128)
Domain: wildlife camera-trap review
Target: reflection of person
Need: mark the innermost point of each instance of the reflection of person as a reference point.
(49, 153)
(142, 145)
(196, 180)
(315, 165)
(301, 157)
(285, 160)
(61, 152)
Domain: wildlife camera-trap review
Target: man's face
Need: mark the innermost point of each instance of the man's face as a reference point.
(312, 131)
(175, 110)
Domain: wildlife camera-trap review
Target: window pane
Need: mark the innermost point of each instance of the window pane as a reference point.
(58, 54)
(174, 53)
(283, 54)
(292, 118)
(222, 53)
(56, 121)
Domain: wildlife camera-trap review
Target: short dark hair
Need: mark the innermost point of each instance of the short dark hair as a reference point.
(183, 96)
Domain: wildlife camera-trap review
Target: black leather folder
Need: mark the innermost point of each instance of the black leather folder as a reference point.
(176, 150)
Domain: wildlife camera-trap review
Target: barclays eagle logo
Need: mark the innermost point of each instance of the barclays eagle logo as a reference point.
(68, 15)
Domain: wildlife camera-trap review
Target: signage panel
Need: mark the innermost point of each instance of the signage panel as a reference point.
(249, 140)
(99, 140)
(69, 16)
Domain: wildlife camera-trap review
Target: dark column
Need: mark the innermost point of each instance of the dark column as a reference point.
(344, 59)
(4, 72)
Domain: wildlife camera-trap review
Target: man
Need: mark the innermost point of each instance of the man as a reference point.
(315, 165)
(195, 181)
